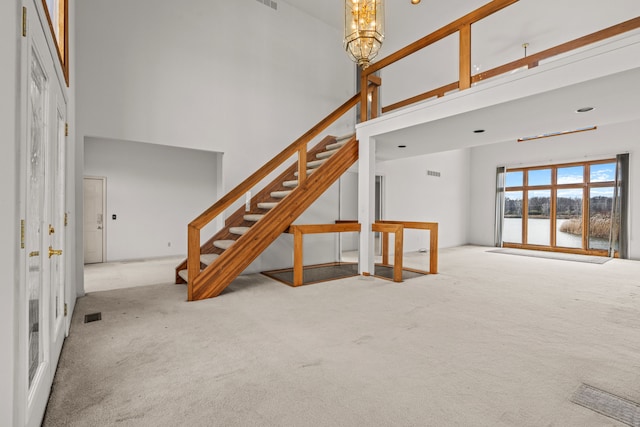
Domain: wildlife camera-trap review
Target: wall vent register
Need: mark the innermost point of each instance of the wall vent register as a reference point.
(272, 4)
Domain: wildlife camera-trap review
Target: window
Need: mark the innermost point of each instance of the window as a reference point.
(57, 15)
(565, 207)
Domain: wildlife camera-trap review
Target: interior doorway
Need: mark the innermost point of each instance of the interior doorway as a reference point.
(94, 192)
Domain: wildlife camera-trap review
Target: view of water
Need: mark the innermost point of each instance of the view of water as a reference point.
(538, 231)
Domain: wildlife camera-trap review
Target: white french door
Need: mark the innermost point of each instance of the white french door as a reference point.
(55, 191)
(42, 325)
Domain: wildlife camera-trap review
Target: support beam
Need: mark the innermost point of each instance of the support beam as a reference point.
(366, 202)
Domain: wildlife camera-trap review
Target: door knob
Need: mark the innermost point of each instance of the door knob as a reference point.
(99, 228)
(53, 252)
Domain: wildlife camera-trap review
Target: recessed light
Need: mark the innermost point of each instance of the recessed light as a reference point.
(402, 146)
(415, 1)
(478, 131)
(584, 109)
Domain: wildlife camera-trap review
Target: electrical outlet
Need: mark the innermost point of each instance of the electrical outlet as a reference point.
(169, 244)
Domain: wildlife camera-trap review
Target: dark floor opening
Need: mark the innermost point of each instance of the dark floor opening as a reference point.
(325, 272)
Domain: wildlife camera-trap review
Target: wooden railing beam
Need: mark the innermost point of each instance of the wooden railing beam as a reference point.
(474, 16)
(439, 92)
(533, 60)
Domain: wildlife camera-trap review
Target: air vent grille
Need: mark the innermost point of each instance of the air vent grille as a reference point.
(433, 173)
(272, 4)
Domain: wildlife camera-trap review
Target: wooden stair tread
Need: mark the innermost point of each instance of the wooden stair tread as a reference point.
(267, 205)
(290, 184)
(316, 163)
(223, 244)
(239, 230)
(326, 154)
(183, 274)
(309, 172)
(253, 217)
(280, 194)
(207, 259)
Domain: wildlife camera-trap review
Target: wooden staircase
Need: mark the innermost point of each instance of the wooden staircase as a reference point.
(247, 234)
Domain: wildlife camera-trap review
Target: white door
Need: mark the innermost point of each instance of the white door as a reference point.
(42, 325)
(56, 192)
(93, 191)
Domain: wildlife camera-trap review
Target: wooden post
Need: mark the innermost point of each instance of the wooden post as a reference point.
(298, 267)
(374, 83)
(385, 248)
(433, 249)
(364, 101)
(397, 255)
(302, 164)
(193, 258)
(465, 57)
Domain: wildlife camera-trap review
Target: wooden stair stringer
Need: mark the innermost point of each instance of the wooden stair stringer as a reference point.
(218, 275)
(236, 219)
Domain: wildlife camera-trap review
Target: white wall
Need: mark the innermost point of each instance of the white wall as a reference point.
(154, 190)
(605, 142)
(9, 222)
(411, 195)
(349, 208)
(233, 77)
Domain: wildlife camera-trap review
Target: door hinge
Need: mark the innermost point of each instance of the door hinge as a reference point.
(24, 21)
(22, 234)
(66, 219)
(65, 309)
(66, 129)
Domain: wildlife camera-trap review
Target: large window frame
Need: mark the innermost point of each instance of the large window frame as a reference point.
(553, 186)
(57, 12)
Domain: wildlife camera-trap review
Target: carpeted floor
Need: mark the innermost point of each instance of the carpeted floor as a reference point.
(559, 256)
(490, 341)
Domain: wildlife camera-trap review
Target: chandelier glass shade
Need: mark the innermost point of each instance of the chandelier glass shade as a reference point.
(363, 29)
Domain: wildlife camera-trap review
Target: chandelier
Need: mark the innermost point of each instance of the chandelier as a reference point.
(363, 29)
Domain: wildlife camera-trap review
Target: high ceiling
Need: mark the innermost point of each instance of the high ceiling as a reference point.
(496, 40)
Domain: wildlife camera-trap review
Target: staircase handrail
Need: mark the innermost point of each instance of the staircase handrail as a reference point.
(299, 144)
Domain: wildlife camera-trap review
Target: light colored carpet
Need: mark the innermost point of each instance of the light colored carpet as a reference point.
(128, 274)
(490, 341)
(559, 256)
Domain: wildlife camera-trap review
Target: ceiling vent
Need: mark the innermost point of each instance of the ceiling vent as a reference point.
(272, 4)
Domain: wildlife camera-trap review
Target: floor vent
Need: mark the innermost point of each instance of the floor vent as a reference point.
(93, 317)
(608, 404)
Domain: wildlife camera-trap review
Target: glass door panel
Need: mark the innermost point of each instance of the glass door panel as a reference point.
(512, 228)
(37, 97)
(539, 217)
(569, 217)
(600, 205)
